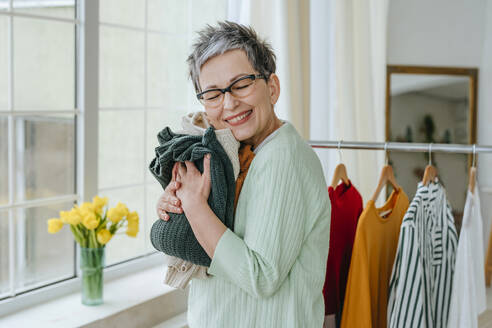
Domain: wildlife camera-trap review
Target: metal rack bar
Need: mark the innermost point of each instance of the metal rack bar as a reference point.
(402, 146)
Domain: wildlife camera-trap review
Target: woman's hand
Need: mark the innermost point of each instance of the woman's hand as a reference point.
(168, 202)
(194, 192)
(195, 186)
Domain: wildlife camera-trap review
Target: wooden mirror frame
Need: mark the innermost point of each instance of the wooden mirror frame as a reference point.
(472, 74)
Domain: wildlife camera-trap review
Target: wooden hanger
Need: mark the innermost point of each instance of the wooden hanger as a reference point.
(430, 173)
(473, 174)
(340, 171)
(340, 174)
(386, 176)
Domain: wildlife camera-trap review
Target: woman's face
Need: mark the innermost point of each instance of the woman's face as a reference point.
(251, 119)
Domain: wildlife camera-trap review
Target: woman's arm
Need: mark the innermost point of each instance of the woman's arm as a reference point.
(278, 221)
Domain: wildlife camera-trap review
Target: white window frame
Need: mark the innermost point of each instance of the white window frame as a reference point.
(87, 126)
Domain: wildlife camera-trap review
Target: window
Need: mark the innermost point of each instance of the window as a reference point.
(143, 87)
(37, 144)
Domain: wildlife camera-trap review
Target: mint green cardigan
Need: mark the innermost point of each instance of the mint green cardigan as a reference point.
(270, 271)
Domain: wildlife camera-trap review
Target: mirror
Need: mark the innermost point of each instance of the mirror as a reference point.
(438, 105)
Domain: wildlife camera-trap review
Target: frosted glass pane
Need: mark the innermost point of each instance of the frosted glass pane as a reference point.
(167, 71)
(121, 69)
(169, 16)
(4, 164)
(154, 191)
(4, 5)
(4, 74)
(122, 247)
(156, 121)
(121, 142)
(207, 12)
(44, 64)
(42, 257)
(55, 8)
(4, 252)
(45, 156)
(123, 12)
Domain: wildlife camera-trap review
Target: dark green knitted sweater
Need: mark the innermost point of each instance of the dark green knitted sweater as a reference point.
(175, 236)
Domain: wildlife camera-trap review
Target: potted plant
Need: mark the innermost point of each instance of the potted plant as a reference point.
(93, 225)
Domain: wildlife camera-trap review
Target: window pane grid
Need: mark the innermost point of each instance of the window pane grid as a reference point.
(141, 192)
(23, 219)
(167, 94)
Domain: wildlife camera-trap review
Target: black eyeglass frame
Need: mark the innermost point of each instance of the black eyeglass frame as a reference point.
(199, 96)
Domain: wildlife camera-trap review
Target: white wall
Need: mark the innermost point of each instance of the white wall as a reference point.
(484, 133)
(438, 32)
(449, 33)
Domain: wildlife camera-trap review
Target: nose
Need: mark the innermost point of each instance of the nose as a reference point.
(230, 102)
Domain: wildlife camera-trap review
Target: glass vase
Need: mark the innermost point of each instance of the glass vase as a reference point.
(92, 264)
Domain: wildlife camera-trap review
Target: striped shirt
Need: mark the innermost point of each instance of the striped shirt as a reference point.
(421, 281)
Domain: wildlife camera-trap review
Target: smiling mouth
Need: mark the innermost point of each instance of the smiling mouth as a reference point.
(239, 118)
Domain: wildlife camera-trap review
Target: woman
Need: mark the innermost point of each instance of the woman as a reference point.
(269, 271)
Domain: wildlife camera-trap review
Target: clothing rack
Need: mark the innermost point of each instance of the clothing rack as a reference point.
(416, 147)
(402, 146)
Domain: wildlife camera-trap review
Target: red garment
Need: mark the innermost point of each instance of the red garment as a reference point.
(346, 207)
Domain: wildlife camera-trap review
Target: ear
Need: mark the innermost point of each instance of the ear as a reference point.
(274, 88)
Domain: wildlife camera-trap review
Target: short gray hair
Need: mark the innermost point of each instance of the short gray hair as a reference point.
(216, 40)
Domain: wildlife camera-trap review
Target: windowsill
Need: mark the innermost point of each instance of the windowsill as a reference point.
(137, 300)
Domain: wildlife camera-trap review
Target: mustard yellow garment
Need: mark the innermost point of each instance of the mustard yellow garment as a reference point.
(376, 241)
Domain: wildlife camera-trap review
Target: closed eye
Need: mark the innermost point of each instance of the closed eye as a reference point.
(214, 97)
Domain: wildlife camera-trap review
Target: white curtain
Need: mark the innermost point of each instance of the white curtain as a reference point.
(285, 24)
(354, 96)
(331, 61)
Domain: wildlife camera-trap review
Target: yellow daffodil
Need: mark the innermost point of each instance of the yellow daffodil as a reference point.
(133, 216)
(115, 215)
(88, 224)
(74, 216)
(64, 216)
(132, 229)
(89, 220)
(99, 203)
(122, 208)
(54, 225)
(87, 206)
(103, 236)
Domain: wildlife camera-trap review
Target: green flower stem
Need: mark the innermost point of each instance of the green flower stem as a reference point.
(76, 234)
(94, 239)
(84, 233)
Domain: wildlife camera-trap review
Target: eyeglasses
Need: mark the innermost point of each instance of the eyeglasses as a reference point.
(240, 88)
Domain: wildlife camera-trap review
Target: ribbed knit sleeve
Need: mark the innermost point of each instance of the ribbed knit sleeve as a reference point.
(259, 262)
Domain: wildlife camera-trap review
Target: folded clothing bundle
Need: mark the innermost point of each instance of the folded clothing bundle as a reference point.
(175, 236)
